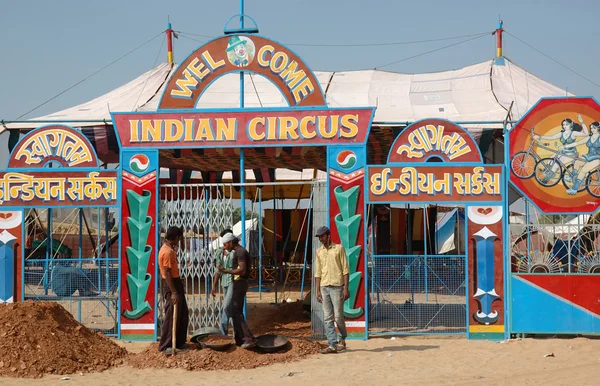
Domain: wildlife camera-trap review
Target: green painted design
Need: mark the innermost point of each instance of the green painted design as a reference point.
(347, 200)
(348, 224)
(138, 232)
(138, 205)
(137, 293)
(353, 254)
(138, 254)
(353, 283)
(356, 335)
(348, 229)
(139, 337)
(138, 261)
(493, 336)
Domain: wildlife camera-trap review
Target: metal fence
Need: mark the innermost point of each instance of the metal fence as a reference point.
(417, 294)
(88, 290)
(554, 244)
(71, 258)
(422, 290)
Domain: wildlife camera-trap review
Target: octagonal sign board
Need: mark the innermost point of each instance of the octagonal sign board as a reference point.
(555, 155)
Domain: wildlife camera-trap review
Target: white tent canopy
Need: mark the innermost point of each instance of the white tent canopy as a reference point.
(237, 232)
(479, 92)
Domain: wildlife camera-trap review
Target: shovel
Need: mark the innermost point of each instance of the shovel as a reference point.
(172, 351)
(174, 332)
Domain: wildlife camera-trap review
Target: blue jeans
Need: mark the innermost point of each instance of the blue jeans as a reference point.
(333, 308)
(225, 314)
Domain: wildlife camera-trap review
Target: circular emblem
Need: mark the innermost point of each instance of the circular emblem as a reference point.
(139, 163)
(346, 159)
(240, 51)
(10, 220)
(485, 215)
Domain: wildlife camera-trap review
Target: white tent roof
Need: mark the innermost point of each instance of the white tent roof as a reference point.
(479, 92)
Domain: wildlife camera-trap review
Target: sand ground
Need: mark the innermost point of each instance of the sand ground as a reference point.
(382, 361)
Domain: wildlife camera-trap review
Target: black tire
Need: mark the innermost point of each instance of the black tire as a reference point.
(523, 157)
(592, 183)
(543, 168)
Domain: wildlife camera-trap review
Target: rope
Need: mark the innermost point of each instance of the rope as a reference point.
(89, 76)
(153, 67)
(434, 50)
(554, 60)
(356, 44)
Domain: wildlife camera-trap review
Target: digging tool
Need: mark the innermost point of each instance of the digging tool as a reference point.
(174, 332)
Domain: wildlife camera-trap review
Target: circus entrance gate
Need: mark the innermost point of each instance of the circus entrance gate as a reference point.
(306, 134)
(435, 234)
(204, 210)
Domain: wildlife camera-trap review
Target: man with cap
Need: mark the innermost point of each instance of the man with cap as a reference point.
(332, 274)
(240, 272)
(224, 258)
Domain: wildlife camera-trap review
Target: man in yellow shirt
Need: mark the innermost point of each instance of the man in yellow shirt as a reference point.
(331, 275)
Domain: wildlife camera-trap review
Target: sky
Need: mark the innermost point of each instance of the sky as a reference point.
(48, 46)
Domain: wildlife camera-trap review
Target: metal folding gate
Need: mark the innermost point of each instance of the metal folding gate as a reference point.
(421, 292)
(202, 212)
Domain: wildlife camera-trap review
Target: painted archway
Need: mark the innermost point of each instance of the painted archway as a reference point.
(235, 53)
(178, 124)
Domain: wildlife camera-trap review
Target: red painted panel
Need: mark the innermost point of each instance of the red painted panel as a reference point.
(360, 239)
(582, 290)
(148, 317)
(483, 213)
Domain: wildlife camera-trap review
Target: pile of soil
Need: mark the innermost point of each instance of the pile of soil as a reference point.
(288, 319)
(38, 338)
(217, 339)
(235, 358)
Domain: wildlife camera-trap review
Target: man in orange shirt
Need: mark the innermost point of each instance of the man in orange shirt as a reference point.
(173, 291)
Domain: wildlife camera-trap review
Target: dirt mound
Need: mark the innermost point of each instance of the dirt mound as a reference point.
(286, 319)
(217, 339)
(38, 338)
(233, 359)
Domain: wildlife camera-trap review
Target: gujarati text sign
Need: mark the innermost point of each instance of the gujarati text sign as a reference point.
(243, 128)
(434, 138)
(435, 183)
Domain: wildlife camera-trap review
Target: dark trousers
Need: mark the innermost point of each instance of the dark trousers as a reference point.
(166, 331)
(240, 328)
